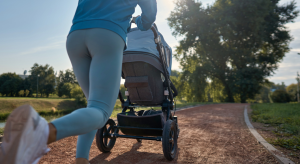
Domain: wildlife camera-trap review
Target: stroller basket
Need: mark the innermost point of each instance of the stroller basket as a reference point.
(150, 125)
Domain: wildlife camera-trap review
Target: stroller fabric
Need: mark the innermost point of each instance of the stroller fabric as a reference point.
(142, 42)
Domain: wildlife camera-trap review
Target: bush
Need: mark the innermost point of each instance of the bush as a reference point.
(66, 89)
(21, 93)
(280, 96)
(27, 92)
(81, 100)
(76, 91)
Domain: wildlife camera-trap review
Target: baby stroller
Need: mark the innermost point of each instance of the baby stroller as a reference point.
(146, 69)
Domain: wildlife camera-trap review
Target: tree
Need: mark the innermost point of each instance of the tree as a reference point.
(67, 77)
(123, 89)
(280, 96)
(264, 95)
(292, 90)
(76, 91)
(45, 76)
(11, 87)
(66, 89)
(10, 84)
(237, 42)
(278, 86)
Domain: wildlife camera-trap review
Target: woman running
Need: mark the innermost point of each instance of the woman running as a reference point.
(95, 47)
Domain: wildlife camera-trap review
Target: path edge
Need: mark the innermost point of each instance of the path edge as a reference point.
(276, 153)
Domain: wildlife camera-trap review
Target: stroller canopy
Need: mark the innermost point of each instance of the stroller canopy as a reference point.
(142, 42)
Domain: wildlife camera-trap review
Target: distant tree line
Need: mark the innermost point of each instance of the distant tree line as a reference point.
(43, 81)
(213, 91)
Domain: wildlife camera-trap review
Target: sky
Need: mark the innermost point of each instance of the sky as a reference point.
(35, 31)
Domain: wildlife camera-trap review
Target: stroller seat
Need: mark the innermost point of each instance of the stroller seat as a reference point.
(142, 68)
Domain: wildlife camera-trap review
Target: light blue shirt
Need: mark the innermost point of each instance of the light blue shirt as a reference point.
(114, 15)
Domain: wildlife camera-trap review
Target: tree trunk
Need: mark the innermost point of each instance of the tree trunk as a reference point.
(243, 98)
(229, 94)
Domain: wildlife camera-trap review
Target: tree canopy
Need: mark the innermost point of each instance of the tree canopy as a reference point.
(237, 43)
(44, 77)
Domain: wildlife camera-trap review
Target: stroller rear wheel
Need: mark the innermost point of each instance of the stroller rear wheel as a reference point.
(103, 137)
(139, 140)
(169, 140)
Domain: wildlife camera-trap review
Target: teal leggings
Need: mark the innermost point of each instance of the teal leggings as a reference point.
(96, 55)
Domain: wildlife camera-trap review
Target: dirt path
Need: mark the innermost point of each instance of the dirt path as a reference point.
(209, 134)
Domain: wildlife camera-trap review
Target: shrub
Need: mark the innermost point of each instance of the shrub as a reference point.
(81, 100)
(280, 96)
(66, 89)
(21, 93)
(27, 92)
(76, 91)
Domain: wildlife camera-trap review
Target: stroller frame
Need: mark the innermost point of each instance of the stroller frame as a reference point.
(167, 105)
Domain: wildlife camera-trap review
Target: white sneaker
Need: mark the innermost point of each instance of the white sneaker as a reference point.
(25, 137)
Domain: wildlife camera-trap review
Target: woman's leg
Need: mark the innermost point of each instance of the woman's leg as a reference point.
(81, 61)
(105, 48)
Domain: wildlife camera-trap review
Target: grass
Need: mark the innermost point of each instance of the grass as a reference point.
(52, 108)
(179, 104)
(44, 106)
(285, 117)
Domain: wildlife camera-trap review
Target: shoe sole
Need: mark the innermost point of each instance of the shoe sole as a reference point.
(20, 122)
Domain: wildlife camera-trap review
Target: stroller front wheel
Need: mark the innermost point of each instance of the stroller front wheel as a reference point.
(169, 140)
(104, 140)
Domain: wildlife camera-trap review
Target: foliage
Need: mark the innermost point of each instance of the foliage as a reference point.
(21, 93)
(81, 100)
(286, 120)
(123, 89)
(41, 105)
(280, 96)
(291, 143)
(175, 73)
(67, 77)
(215, 91)
(238, 42)
(10, 84)
(63, 78)
(76, 91)
(43, 77)
(263, 96)
(66, 89)
(292, 90)
(278, 86)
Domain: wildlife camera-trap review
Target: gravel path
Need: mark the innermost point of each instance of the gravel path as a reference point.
(209, 134)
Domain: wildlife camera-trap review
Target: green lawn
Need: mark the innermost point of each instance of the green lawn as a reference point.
(52, 108)
(46, 106)
(285, 117)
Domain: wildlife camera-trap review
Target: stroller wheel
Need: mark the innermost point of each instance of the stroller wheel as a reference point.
(139, 140)
(103, 137)
(169, 140)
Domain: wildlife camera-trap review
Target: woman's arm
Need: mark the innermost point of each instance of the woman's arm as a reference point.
(149, 10)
